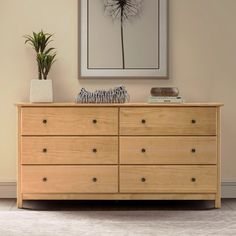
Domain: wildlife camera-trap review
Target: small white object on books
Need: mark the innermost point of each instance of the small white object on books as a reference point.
(165, 99)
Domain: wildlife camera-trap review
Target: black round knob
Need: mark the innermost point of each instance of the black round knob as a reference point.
(45, 150)
(95, 150)
(45, 179)
(143, 150)
(143, 121)
(95, 179)
(193, 179)
(95, 121)
(193, 150)
(45, 121)
(143, 179)
(194, 121)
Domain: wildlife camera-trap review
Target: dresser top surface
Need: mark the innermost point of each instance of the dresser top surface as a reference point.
(27, 104)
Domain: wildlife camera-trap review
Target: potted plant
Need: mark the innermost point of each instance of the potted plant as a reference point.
(41, 88)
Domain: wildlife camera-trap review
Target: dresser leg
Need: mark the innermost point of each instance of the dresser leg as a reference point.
(218, 203)
(19, 203)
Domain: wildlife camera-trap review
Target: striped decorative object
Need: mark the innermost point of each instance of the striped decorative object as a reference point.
(116, 95)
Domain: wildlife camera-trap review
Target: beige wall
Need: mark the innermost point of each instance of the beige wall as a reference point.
(202, 62)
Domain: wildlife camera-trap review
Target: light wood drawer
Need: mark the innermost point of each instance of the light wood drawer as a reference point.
(168, 179)
(168, 150)
(69, 121)
(69, 150)
(168, 121)
(69, 179)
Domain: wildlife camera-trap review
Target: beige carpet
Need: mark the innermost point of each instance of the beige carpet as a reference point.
(117, 223)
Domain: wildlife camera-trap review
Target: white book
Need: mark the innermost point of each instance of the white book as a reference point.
(165, 100)
(164, 97)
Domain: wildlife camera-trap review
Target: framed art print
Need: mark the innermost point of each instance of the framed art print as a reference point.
(124, 38)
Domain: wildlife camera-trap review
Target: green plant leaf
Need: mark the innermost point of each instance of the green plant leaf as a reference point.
(49, 50)
(45, 57)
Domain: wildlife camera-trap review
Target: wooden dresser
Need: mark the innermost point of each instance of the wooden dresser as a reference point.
(119, 151)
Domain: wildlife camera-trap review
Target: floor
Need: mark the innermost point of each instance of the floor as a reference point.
(117, 218)
(10, 205)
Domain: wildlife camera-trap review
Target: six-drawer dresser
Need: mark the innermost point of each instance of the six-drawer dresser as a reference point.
(119, 151)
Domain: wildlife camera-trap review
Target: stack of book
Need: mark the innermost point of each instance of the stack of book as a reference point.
(165, 95)
(153, 99)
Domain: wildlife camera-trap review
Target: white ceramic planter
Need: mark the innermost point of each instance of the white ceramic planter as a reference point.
(41, 90)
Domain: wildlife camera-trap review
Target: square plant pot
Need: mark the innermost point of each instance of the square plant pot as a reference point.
(41, 91)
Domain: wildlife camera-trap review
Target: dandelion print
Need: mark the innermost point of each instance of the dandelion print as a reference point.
(122, 10)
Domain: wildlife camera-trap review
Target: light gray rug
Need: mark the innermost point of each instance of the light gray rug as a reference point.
(117, 223)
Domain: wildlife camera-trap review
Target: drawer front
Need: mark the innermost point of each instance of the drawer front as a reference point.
(168, 179)
(69, 179)
(69, 121)
(168, 150)
(69, 150)
(168, 121)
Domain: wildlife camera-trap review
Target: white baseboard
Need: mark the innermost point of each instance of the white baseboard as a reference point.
(228, 189)
(8, 190)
